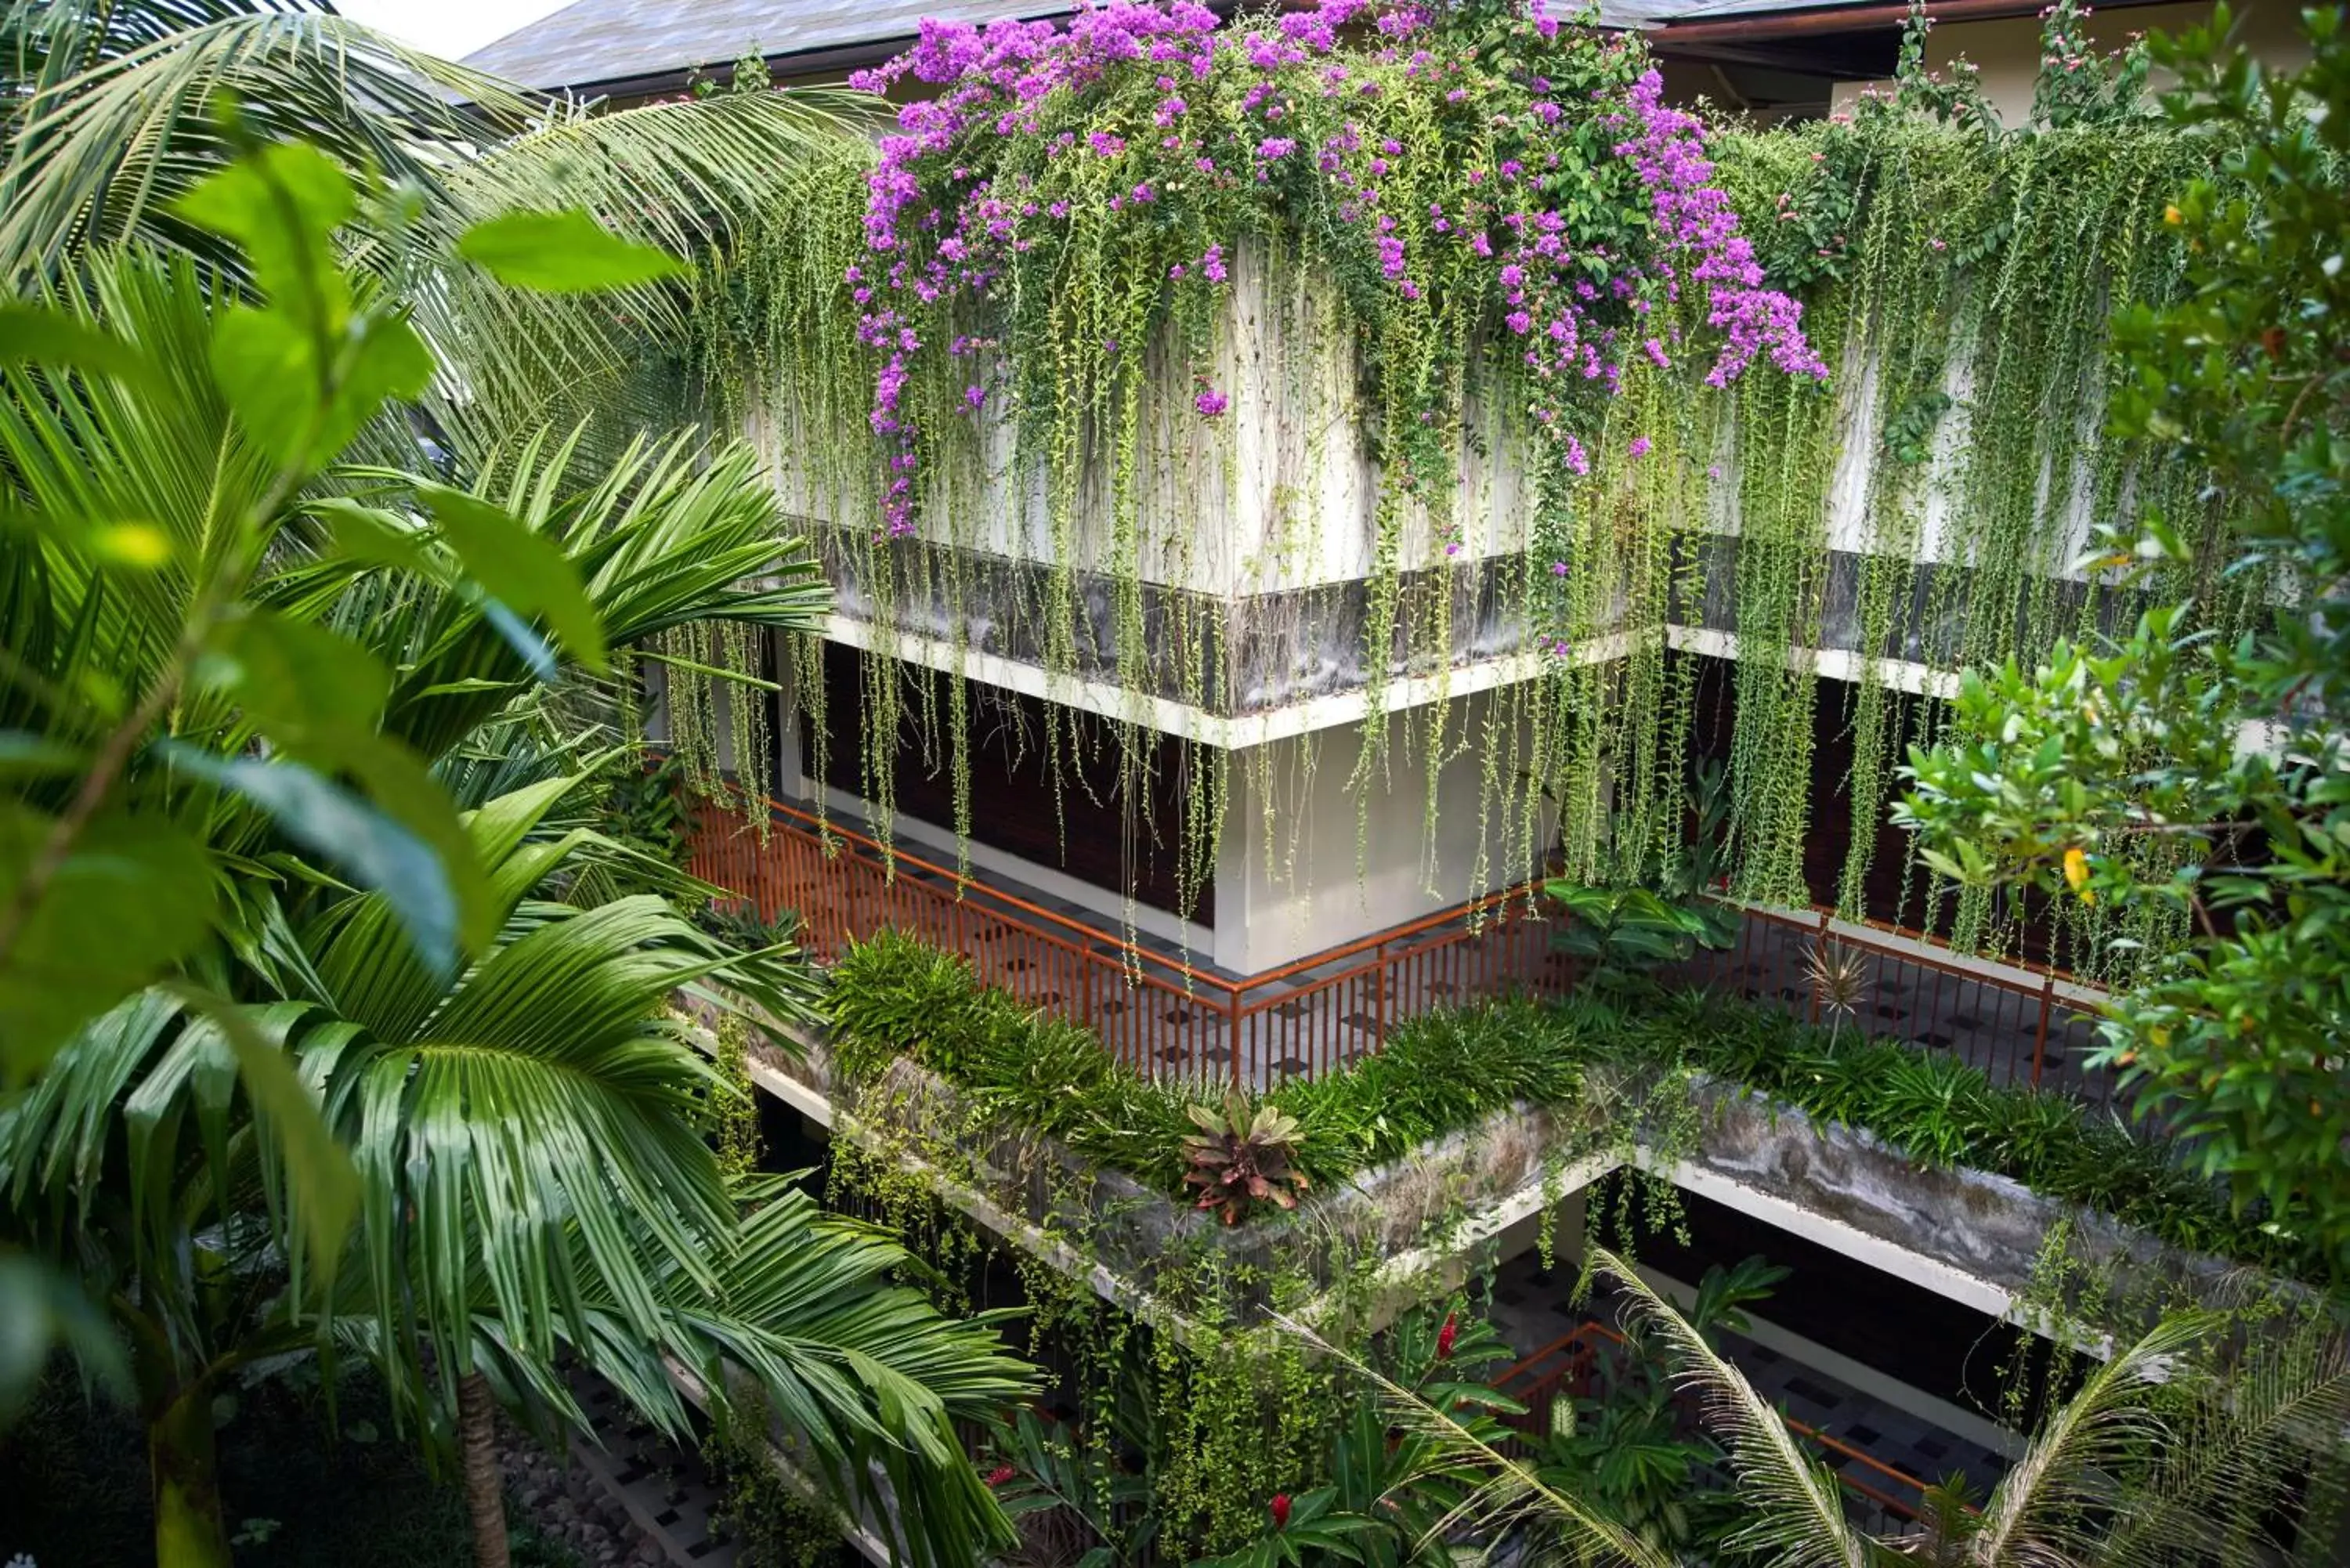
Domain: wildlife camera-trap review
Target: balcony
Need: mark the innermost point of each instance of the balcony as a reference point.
(1170, 1015)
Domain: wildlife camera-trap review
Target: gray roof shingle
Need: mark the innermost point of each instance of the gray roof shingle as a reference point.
(595, 42)
(602, 43)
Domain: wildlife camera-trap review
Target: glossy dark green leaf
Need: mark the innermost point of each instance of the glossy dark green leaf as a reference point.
(332, 822)
(562, 253)
(134, 897)
(522, 569)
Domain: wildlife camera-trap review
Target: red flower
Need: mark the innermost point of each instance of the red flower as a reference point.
(1001, 1474)
(1281, 1510)
(1444, 1336)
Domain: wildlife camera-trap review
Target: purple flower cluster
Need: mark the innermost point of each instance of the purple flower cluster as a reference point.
(1700, 231)
(978, 176)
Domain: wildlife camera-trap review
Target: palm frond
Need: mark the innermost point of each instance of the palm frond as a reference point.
(1799, 1519)
(1507, 1492)
(799, 1330)
(120, 115)
(2049, 1506)
(2239, 1449)
(670, 531)
(680, 176)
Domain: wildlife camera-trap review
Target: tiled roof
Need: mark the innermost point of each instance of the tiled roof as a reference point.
(595, 43)
(592, 42)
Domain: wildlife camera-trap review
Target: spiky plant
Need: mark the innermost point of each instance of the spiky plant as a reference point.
(1240, 1157)
(1838, 976)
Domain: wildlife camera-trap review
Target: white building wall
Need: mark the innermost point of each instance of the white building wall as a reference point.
(1320, 874)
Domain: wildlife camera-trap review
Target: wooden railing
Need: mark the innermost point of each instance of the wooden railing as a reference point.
(1169, 1018)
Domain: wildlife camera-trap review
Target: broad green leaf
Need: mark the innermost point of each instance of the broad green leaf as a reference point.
(388, 363)
(268, 368)
(36, 335)
(295, 677)
(282, 205)
(299, 406)
(134, 897)
(562, 253)
(526, 570)
(332, 822)
(374, 537)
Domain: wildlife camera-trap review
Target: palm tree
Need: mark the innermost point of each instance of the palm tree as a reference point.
(535, 1189)
(111, 107)
(2180, 1449)
(529, 1177)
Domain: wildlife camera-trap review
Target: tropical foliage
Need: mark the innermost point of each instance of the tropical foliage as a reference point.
(2164, 770)
(111, 117)
(339, 1065)
(2133, 1468)
(1242, 1155)
(1449, 1070)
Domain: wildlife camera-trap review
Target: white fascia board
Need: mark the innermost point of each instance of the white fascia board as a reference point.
(1192, 722)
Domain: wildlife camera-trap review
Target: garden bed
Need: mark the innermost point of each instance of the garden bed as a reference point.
(1481, 1117)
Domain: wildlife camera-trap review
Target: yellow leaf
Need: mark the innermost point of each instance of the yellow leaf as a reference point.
(139, 545)
(2076, 870)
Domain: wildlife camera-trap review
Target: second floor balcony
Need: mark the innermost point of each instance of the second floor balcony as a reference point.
(1175, 1016)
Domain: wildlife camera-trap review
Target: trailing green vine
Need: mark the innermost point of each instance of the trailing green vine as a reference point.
(1138, 448)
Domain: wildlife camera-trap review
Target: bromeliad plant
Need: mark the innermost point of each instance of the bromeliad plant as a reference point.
(1243, 1157)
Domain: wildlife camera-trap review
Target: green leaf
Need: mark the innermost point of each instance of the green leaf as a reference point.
(295, 677)
(332, 822)
(134, 897)
(399, 781)
(35, 335)
(318, 1166)
(374, 537)
(267, 368)
(296, 404)
(562, 253)
(282, 205)
(524, 569)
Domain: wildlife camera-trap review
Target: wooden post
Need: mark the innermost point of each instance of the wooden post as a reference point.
(2040, 1040)
(1232, 1015)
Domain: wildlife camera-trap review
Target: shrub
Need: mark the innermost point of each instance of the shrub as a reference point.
(1445, 1071)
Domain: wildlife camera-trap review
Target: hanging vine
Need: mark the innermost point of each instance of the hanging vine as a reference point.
(1189, 352)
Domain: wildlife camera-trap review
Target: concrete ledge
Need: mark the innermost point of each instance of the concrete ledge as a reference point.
(1967, 1235)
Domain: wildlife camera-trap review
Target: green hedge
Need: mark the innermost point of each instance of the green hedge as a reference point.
(1443, 1071)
